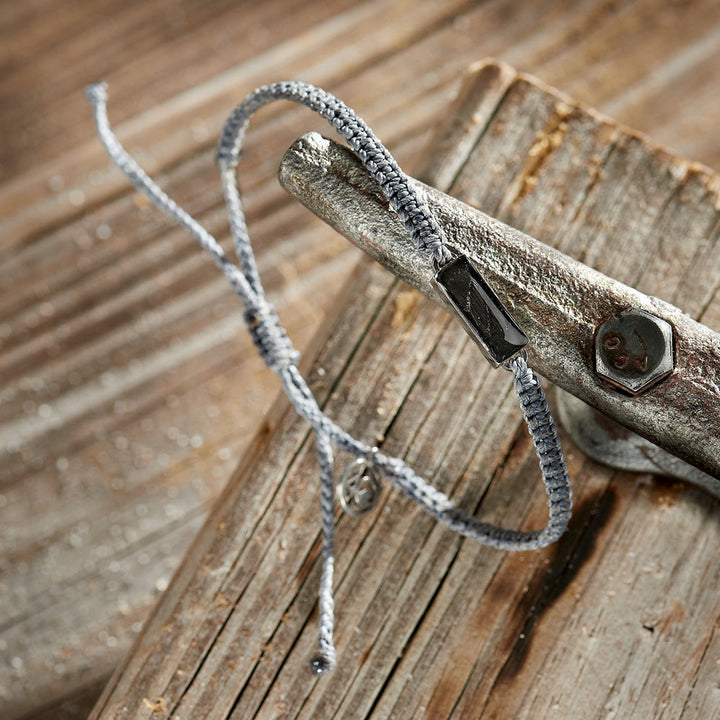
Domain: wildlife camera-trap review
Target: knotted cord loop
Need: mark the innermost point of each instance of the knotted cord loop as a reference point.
(270, 338)
(277, 351)
(414, 213)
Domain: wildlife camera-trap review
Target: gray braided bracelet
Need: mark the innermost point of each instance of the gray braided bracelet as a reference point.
(475, 304)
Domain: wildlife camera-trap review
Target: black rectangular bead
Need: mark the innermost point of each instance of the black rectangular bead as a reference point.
(483, 315)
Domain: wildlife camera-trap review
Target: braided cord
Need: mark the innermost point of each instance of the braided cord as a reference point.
(275, 348)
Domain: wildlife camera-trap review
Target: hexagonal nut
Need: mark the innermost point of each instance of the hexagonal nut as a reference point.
(634, 350)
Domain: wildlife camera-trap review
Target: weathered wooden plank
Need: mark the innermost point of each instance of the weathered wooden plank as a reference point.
(198, 113)
(642, 685)
(96, 513)
(532, 40)
(104, 375)
(429, 623)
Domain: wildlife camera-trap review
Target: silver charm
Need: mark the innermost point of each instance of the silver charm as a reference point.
(359, 488)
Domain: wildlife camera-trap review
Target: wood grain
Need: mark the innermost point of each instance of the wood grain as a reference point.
(429, 624)
(128, 391)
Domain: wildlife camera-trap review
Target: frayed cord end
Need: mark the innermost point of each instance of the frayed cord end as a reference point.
(97, 93)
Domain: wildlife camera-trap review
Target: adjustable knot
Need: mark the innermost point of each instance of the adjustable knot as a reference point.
(270, 338)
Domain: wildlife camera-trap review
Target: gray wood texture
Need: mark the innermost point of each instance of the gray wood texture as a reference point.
(128, 388)
(618, 618)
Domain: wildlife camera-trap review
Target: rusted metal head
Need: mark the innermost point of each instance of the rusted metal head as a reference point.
(634, 350)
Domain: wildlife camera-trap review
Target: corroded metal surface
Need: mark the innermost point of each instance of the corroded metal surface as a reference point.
(609, 443)
(559, 302)
(634, 350)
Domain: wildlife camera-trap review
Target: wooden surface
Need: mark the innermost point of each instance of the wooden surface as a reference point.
(613, 619)
(129, 390)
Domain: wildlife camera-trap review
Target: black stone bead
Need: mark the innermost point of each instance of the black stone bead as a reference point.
(320, 664)
(483, 315)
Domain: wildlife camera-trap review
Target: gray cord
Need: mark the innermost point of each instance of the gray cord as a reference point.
(277, 351)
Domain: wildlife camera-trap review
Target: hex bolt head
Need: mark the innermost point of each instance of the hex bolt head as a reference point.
(634, 350)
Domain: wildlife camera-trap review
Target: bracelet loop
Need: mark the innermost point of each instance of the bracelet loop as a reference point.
(482, 314)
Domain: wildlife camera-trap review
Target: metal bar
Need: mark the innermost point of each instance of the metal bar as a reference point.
(557, 301)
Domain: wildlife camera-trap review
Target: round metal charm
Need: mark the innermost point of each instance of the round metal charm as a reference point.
(359, 488)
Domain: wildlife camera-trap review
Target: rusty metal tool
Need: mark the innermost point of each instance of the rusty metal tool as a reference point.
(651, 370)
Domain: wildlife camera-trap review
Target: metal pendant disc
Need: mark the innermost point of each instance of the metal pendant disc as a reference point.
(359, 488)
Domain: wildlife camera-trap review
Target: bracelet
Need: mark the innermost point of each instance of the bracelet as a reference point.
(478, 308)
